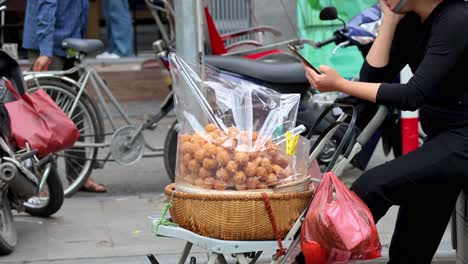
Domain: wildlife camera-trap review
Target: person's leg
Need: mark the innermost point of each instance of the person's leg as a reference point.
(121, 27)
(425, 183)
(420, 226)
(105, 13)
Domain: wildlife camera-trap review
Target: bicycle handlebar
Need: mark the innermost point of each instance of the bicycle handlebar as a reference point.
(326, 42)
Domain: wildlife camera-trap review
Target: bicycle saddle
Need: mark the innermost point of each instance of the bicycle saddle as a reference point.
(275, 73)
(83, 45)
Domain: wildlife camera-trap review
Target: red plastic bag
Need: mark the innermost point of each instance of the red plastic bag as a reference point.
(36, 119)
(338, 226)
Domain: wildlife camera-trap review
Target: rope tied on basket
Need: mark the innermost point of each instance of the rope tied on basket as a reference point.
(266, 200)
(162, 220)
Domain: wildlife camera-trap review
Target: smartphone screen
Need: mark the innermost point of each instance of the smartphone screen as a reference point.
(296, 52)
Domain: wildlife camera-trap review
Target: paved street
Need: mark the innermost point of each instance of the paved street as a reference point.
(112, 228)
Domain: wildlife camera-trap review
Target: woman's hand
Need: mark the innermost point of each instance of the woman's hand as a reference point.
(329, 81)
(388, 15)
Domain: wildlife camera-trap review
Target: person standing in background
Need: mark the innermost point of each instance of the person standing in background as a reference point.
(119, 29)
(46, 25)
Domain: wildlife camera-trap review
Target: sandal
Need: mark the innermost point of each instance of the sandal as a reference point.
(94, 187)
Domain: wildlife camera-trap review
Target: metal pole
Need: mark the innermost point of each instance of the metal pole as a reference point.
(189, 33)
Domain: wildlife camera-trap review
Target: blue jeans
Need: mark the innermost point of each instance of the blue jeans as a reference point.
(119, 27)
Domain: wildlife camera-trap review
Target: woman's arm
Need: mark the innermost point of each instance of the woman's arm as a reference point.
(386, 57)
(445, 49)
(379, 54)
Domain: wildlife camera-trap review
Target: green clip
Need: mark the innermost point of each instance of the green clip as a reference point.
(162, 217)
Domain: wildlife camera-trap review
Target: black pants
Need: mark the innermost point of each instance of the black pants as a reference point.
(425, 184)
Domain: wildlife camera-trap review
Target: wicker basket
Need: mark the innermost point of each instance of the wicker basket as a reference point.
(236, 217)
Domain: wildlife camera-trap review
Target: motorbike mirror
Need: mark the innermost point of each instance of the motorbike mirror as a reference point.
(328, 13)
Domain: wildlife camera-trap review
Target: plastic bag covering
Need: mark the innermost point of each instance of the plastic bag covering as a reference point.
(233, 133)
(338, 226)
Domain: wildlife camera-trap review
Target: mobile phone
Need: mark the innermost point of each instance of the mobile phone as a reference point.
(296, 52)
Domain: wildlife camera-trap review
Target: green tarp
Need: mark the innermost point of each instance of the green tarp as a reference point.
(348, 60)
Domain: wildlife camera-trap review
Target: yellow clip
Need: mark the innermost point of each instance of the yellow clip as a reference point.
(291, 143)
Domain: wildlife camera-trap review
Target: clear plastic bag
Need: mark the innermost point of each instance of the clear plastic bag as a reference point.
(232, 133)
(338, 227)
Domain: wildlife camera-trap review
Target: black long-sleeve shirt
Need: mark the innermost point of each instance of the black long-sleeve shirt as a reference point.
(437, 53)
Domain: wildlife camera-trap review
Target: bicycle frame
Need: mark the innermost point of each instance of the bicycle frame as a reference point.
(91, 76)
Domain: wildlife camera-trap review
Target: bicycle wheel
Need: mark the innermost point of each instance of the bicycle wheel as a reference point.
(170, 150)
(74, 165)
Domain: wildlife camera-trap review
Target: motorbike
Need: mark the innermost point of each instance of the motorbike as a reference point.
(27, 183)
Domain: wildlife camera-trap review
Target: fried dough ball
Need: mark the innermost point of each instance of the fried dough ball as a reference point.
(187, 157)
(258, 161)
(197, 137)
(241, 158)
(186, 147)
(215, 137)
(273, 150)
(250, 169)
(195, 147)
(223, 157)
(281, 160)
(262, 185)
(261, 172)
(199, 143)
(230, 143)
(252, 182)
(277, 168)
(220, 185)
(200, 155)
(241, 187)
(209, 182)
(266, 164)
(222, 174)
(288, 172)
(194, 166)
(240, 177)
(210, 149)
(205, 173)
(253, 155)
(200, 182)
(232, 166)
(211, 127)
(209, 164)
(271, 179)
(185, 138)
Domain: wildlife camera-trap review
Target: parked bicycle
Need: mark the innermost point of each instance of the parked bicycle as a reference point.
(124, 145)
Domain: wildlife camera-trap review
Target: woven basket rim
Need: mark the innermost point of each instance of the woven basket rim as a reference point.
(236, 197)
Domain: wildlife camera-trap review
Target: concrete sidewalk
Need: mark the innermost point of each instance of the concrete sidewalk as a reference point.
(114, 230)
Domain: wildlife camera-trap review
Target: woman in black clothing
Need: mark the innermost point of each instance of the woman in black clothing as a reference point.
(431, 37)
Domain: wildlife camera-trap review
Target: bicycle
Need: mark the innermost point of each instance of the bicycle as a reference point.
(127, 144)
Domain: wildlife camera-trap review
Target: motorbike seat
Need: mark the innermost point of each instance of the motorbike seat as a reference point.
(274, 73)
(83, 45)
